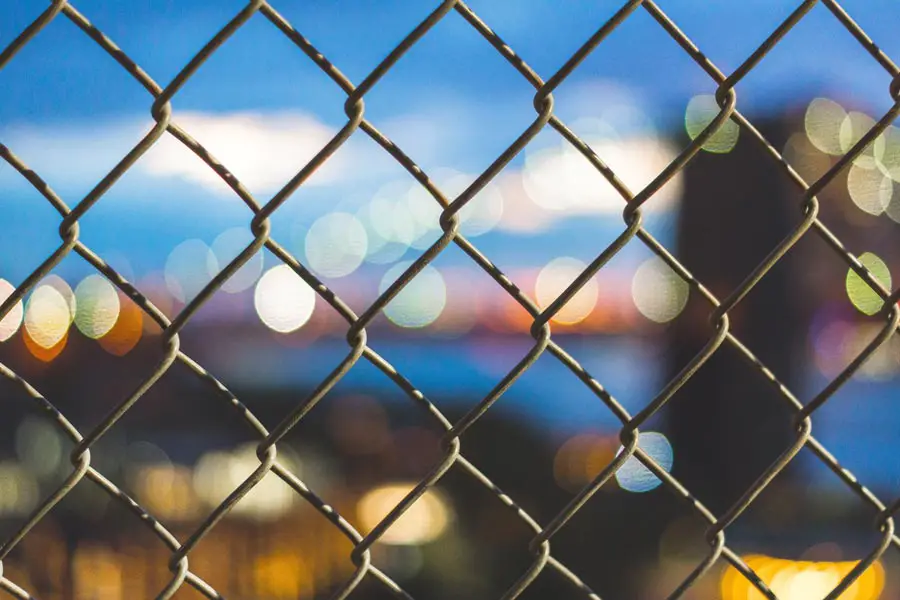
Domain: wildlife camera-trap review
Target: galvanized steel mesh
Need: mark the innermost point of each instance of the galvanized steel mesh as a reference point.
(261, 213)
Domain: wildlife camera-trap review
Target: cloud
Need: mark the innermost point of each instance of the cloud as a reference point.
(74, 156)
(558, 183)
(263, 150)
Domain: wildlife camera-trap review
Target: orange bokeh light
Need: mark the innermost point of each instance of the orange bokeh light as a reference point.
(127, 331)
(39, 352)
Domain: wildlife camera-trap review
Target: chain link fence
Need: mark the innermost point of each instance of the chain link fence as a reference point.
(261, 214)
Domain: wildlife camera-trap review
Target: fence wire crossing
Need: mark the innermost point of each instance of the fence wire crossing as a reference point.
(261, 213)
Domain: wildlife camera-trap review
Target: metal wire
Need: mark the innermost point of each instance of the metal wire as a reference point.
(259, 217)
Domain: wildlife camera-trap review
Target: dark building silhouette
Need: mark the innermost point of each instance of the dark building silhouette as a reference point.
(727, 423)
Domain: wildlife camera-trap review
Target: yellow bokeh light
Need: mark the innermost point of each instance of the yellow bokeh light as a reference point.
(283, 301)
(801, 580)
(10, 324)
(870, 189)
(701, 111)
(553, 280)
(581, 458)
(863, 297)
(423, 522)
(59, 284)
(823, 122)
(658, 292)
(47, 316)
(98, 306)
(218, 473)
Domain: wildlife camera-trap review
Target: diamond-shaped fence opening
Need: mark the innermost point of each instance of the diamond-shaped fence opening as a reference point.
(367, 407)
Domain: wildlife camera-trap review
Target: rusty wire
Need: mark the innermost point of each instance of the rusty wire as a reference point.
(260, 214)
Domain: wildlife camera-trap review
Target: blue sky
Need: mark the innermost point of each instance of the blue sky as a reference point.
(451, 102)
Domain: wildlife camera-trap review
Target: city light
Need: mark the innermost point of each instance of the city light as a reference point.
(863, 297)
(219, 473)
(189, 267)
(423, 522)
(283, 301)
(870, 189)
(581, 458)
(59, 284)
(97, 306)
(703, 110)
(889, 156)
(553, 280)
(801, 580)
(47, 316)
(390, 224)
(226, 247)
(10, 324)
(18, 490)
(336, 245)
(127, 330)
(823, 122)
(853, 128)
(38, 446)
(420, 302)
(659, 293)
(633, 476)
(480, 215)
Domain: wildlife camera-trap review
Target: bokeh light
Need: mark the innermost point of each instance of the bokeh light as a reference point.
(823, 121)
(38, 446)
(127, 331)
(41, 353)
(98, 306)
(47, 316)
(219, 473)
(283, 301)
(561, 181)
(888, 159)
(166, 490)
(423, 522)
(809, 161)
(658, 292)
(59, 284)
(801, 580)
(19, 491)
(870, 189)
(553, 280)
(189, 267)
(425, 212)
(10, 324)
(633, 476)
(420, 302)
(480, 215)
(390, 225)
(336, 245)
(853, 128)
(863, 297)
(701, 111)
(581, 458)
(225, 248)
